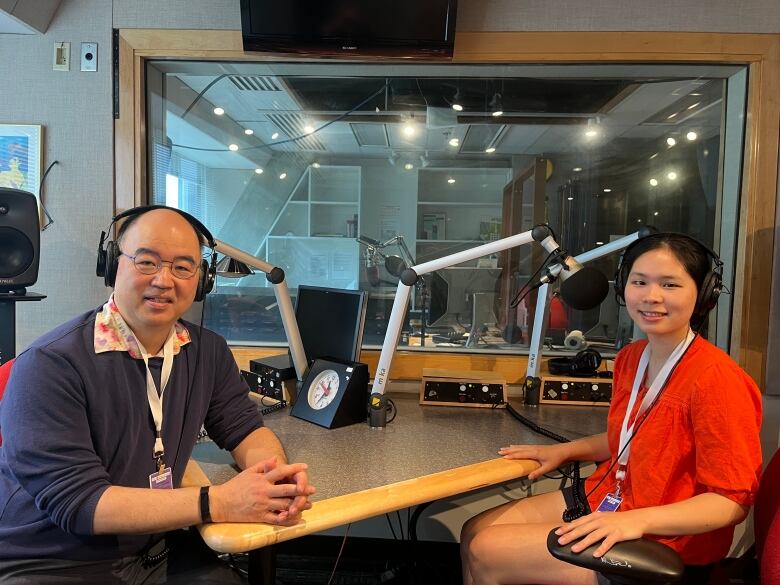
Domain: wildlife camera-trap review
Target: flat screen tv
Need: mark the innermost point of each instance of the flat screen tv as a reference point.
(394, 28)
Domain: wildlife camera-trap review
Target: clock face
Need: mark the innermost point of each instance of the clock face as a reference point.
(323, 389)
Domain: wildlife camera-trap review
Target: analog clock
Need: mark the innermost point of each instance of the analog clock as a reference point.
(333, 394)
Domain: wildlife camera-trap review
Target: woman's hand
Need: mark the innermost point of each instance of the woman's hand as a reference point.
(550, 457)
(609, 527)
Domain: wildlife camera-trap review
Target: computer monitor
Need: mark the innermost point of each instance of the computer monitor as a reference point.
(438, 293)
(459, 286)
(331, 322)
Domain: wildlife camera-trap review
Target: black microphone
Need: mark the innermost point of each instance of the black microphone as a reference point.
(584, 288)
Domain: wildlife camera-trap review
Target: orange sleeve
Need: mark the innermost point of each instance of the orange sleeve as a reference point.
(726, 419)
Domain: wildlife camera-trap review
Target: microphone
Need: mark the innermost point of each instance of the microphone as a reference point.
(372, 271)
(582, 287)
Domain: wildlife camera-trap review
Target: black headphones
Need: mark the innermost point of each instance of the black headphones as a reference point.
(584, 364)
(709, 290)
(108, 257)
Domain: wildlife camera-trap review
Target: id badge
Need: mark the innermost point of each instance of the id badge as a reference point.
(610, 503)
(161, 480)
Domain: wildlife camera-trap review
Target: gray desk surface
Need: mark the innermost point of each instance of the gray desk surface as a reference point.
(420, 441)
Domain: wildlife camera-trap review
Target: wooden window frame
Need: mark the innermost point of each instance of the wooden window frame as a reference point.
(759, 187)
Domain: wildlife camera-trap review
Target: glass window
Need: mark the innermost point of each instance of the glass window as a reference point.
(345, 174)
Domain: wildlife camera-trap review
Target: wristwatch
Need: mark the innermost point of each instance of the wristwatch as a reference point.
(205, 513)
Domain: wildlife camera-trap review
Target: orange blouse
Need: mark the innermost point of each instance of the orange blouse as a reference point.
(701, 436)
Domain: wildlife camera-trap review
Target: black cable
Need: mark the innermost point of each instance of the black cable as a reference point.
(522, 292)
(392, 528)
(200, 95)
(338, 557)
(294, 138)
(392, 410)
(49, 218)
(400, 525)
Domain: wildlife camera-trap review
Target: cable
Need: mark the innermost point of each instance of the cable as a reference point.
(392, 528)
(522, 292)
(338, 557)
(50, 219)
(294, 138)
(200, 95)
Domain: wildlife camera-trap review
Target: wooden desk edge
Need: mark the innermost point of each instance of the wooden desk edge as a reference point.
(324, 514)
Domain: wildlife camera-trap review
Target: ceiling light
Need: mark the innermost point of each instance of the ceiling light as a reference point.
(639, 221)
(248, 131)
(670, 116)
(409, 129)
(233, 147)
(219, 111)
(283, 176)
(274, 136)
(495, 105)
(607, 190)
(691, 136)
(655, 213)
(599, 243)
(693, 105)
(577, 169)
(498, 113)
(316, 165)
(591, 133)
(570, 198)
(671, 175)
(457, 107)
(454, 141)
(653, 156)
(408, 166)
(653, 182)
(671, 141)
(258, 171)
(450, 180)
(308, 128)
(490, 149)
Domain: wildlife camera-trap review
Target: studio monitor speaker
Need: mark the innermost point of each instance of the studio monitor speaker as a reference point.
(19, 240)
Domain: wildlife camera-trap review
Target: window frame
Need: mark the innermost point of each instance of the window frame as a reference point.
(758, 191)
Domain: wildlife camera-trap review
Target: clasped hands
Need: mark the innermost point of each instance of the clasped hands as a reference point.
(268, 492)
(608, 527)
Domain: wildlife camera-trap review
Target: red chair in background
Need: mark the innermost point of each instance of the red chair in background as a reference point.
(5, 373)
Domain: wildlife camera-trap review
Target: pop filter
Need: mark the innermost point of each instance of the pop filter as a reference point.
(584, 289)
(395, 265)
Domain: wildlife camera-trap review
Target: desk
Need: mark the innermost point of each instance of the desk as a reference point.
(426, 454)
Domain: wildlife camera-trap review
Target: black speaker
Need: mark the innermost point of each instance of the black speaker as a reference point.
(20, 238)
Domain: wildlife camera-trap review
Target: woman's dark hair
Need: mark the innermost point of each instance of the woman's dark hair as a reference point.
(693, 255)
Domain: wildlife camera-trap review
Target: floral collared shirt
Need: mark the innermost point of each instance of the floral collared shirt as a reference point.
(113, 334)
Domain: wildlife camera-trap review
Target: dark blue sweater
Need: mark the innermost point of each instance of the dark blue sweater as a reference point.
(74, 423)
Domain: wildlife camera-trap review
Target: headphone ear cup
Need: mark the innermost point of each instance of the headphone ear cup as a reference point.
(111, 263)
(586, 361)
(708, 295)
(619, 286)
(205, 280)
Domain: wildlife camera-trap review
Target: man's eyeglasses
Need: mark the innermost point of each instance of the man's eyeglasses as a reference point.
(151, 263)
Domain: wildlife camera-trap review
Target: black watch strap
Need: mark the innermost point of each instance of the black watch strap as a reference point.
(205, 513)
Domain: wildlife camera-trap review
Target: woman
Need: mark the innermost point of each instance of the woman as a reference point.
(680, 460)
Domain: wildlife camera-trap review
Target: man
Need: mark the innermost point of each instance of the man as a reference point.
(100, 417)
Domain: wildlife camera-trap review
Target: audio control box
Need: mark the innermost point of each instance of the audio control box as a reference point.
(576, 391)
(474, 388)
(272, 376)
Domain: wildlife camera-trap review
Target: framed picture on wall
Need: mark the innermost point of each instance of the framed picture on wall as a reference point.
(21, 157)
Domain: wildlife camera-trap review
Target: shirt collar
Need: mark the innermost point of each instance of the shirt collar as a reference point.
(112, 333)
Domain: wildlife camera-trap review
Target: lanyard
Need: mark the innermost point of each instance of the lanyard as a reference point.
(626, 431)
(155, 399)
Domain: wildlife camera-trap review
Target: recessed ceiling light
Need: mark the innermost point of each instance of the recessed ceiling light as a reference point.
(671, 175)
(248, 131)
(316, 165)
(457, 107)
(653, 182)
(570, 198)
(409, 129)
(670, 116)
(599, 243)
(671, 141)
(408, 166)
(258, 171)
(219, 111)
(639, 221)
(450, 180)
(577, 169)
(283, 176)
(274, 136)
(233, 147)
(490, 149)
(693, 105)
(653, 156)
(498, 113)
(308, 128)
(454, 141)
(655, 213)
(607, 190)
(591, 133)
(691, 136)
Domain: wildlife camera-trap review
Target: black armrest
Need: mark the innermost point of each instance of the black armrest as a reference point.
(630, 561)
